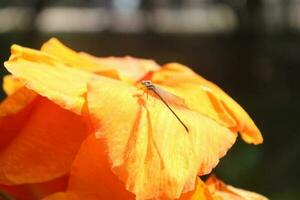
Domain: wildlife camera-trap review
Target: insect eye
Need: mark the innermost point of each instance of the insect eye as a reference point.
(146, 83)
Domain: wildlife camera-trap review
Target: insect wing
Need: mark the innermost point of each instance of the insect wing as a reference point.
(170, 98)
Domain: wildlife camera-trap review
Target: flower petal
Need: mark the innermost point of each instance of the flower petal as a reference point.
(149, 149)
(221, 191)
(17, 101)
(36, 190)
(91, 176)
(63, 196)
(14, 110)
(205, 97)
(199, 193)
(48, 77)
(38, 142)
(11, 84)
(129, 69)
(70, 57)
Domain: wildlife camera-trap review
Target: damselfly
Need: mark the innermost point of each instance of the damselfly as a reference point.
(150, 86)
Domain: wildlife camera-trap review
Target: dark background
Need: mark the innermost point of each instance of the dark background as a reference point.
(249, 48)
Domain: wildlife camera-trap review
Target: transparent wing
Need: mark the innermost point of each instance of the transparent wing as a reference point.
(170, 98)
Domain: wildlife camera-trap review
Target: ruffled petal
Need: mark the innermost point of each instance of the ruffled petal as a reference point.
(91, 176)
(14, 111)
(17, 101)
(127, 68)
(39, 140)
(70, 57)
(205, 97)
(130, 69)
(150, 151)
(11, 84)
(199, 193)
(221, 191)
(64, 196)
(48, 77)
(35, 190)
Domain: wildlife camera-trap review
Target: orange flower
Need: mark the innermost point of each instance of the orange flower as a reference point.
(39, 139)
(71, 116)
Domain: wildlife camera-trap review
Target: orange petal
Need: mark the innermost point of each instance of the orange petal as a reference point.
(16, 101)
(48, 77)
(39, 142)
(14, 110)
(150, 150)
(64, 196)
(68, 56)
(91, 176)
(11, 84)
(199, 193)
(221, 191)
(205, 97)
(73, 59)
(128, 68)
(36, 190)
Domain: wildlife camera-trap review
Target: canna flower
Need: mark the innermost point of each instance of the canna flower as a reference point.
(39, 138)
(70, 113)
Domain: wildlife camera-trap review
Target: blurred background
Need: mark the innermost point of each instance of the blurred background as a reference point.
(250, 48)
